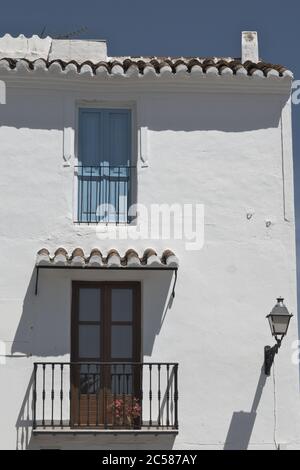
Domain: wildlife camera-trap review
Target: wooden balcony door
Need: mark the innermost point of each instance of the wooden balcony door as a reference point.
(105, 341)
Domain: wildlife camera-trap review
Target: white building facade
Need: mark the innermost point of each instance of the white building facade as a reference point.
(123, 326)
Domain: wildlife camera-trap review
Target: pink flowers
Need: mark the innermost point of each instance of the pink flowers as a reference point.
(126, 410)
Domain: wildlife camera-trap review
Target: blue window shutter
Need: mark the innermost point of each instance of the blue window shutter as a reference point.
(118, 133)
(104, 165)
(90, 136)
(90, 153)
(118, 151)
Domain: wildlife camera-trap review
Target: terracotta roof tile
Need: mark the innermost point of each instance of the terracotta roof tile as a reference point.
(148, 258)
(159, 64)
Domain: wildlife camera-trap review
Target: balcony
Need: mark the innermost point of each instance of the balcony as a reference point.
(105, 193)
(105, 397)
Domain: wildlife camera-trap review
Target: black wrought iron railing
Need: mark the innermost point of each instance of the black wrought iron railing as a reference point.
(105, 395)
(105, 193)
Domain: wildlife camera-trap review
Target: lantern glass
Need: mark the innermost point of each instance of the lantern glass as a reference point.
(279, 319)
(279, 324)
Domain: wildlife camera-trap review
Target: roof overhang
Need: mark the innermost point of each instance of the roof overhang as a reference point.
(148, 261)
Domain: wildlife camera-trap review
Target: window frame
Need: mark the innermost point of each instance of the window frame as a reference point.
(106, 321)
(98, 396)
(130, 106)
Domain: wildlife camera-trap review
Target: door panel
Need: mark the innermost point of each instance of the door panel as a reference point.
(106, 328)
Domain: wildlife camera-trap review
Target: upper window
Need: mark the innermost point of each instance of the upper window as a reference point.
(105, 172)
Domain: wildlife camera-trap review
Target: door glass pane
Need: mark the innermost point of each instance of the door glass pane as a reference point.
(121, 304)
(121, 341)
(89, 341)
(89, 304)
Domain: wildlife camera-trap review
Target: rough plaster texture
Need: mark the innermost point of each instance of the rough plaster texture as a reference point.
(230, 151)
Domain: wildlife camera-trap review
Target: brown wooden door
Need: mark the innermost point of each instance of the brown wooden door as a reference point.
(106, 341)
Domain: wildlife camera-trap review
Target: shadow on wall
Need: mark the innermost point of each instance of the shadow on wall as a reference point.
(24, 421)
(242, 422)
(45, 324)
(22, 342)
(223, 111)
(43, 329)
(157, 300)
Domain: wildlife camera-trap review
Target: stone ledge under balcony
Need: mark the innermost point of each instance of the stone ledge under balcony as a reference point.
(105, 431)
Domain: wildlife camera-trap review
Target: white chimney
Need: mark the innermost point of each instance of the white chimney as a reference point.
(250, 46)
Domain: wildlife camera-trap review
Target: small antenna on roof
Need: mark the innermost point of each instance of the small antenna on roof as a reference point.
(71, 34)
(42, 35)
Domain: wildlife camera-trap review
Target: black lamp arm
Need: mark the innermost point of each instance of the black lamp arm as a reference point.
(270, 353)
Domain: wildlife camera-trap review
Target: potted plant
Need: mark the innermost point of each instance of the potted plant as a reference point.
(126, 412)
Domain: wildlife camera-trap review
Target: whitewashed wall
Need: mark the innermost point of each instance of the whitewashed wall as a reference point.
(226, 146)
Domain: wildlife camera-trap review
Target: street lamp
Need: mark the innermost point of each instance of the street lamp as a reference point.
(279, 320)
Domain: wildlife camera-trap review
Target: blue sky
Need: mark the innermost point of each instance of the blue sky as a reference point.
(171, 27)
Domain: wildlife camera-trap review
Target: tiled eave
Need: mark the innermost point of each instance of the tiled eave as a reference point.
(150, 67)
(113, 259)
